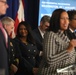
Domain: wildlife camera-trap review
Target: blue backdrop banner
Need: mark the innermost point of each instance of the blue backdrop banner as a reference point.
(46, 7)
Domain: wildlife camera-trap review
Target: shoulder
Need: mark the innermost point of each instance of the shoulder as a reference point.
(36, 30)
(1, 35)
(16, 40)
(50, 35)
(1, 32)
(68, 31)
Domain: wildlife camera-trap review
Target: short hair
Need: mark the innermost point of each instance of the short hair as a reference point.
(6, 20)
(45, 18)
(55, 20)
(71, 14)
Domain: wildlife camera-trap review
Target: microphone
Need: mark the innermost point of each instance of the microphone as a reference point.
(70, 68)
(65, 69)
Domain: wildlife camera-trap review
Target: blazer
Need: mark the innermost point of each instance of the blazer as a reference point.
(39, 42)
(29, 58)
(56, 55)
(14, 52)
(3, 55)
(38, 38)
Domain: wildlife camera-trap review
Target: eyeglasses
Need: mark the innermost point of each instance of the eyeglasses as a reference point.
(4, 2)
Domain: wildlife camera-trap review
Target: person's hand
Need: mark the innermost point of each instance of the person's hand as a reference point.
(35, 71)
(72, 44)
(13, 68)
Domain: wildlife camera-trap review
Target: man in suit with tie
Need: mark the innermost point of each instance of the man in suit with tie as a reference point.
(39, 33)
(71, 33)
(3, 42)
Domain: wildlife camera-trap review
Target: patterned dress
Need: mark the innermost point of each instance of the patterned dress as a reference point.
(56, 55)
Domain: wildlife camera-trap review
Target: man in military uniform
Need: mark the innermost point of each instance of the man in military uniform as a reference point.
(13, 48)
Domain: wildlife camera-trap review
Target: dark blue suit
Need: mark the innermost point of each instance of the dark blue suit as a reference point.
(39, 41)
(38, 38)
(71, 35)
(29, 58)
(3, 55)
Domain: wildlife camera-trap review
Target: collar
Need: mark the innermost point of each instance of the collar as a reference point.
(71, 30)
(42, 33)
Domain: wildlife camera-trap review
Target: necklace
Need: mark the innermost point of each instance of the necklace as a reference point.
(25, 42)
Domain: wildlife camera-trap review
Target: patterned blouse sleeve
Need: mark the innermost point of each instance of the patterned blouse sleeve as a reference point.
(51, 48)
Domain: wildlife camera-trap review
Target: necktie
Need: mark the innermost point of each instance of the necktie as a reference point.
(5, 34)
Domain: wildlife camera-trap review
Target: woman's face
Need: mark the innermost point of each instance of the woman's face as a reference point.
(64, 21)
(23, 31)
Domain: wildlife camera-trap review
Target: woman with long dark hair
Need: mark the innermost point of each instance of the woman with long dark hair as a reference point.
(29, 52)
(58, 50)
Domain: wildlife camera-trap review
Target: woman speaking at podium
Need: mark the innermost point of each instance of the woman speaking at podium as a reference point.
(58, 50)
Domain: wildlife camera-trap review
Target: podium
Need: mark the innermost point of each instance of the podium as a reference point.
(68, 69)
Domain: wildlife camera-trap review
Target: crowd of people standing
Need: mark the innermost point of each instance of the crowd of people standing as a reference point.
(42, 51)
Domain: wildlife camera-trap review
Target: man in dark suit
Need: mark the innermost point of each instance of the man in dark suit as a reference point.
(3, 42)
(71, 33)
(39, 33)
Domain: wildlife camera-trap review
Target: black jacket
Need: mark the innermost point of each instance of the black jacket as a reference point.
(3, 56)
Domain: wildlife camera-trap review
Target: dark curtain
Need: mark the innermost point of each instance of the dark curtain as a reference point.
(31, 11)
